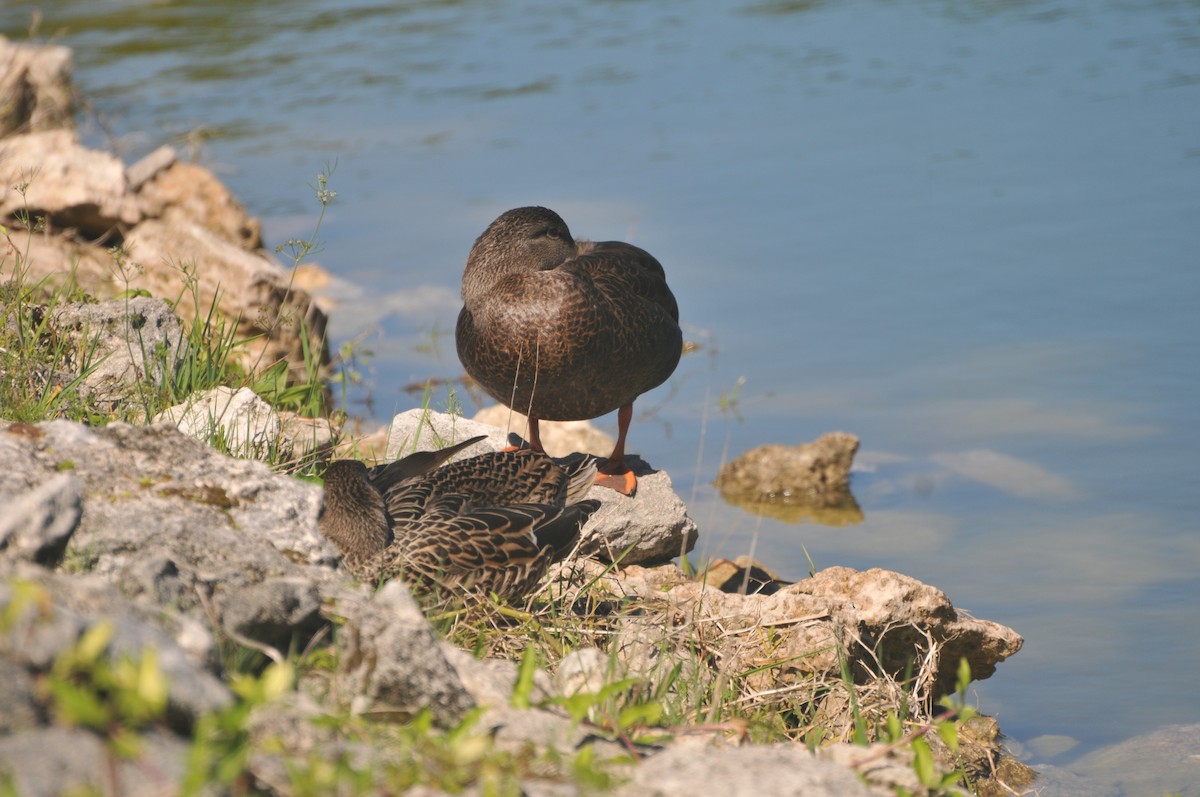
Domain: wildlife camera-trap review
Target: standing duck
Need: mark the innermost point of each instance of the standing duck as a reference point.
(566, 330)
(488, 524)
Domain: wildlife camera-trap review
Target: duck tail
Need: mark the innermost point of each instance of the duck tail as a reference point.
(561, 530)
(405, 469)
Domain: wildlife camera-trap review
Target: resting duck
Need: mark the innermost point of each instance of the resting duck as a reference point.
(566, 330)
(488, 524)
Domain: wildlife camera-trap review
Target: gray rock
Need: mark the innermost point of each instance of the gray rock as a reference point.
(35, 638)
(248, 426)
(148, 167)
(68, 606)
(391, 664)
(585, 670)
(1165, 761)
(426, 430)
(203, 226)
(178, 524)
(124, 343)
(691, 768)
(491, 681)
(650, 528)
(275, 611)
(53, 761)
(36, 526)
(219, 520)
(155, 576)
(21, 711)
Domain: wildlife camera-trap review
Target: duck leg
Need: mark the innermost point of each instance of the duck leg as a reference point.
(613, 473)
(535, 439)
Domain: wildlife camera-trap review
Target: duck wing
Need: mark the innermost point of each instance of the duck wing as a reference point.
(502, 478)
(502, 550)
(625, 275)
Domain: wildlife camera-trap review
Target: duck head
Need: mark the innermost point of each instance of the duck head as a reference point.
(520, 240)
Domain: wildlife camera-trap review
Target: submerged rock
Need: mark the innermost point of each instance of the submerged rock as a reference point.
(793, 483)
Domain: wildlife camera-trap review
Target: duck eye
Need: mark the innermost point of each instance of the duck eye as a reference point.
(550, 232)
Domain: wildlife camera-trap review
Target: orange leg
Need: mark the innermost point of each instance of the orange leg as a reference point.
(613, 473)
(535, 439)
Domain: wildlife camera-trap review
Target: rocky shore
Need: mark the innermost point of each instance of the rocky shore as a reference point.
(172, 620)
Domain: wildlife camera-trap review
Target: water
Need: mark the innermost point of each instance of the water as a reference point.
(968, 232)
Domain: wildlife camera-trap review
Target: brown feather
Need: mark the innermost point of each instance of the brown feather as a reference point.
(561, 330)
(491, 523)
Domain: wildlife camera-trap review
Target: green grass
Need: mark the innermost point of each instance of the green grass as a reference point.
(44, 370)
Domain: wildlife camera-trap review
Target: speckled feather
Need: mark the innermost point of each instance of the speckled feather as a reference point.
(491, 523)
(560, 329)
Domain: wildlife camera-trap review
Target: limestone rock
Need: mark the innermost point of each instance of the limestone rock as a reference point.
(277, 612)
(880, 604)
(811, 480)
(247, 287)
(146, 169)
(651, 527)
(21, 711)
(49, 762)
(248, 425)
(491, 681)
(743, 575)
(203, 521)
(159, 225)
(694, 768)
(71, 185)
(391, 665)
(560, 438)
(35, 88)
(125, 344)
(180, 192)
(36, 526)
(426, 430)
(872, 618)
(68, 606)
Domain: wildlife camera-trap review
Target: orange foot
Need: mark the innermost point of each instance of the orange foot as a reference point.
(617, 477)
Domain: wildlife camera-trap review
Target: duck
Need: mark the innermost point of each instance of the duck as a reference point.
(562, 329)
(489, 524)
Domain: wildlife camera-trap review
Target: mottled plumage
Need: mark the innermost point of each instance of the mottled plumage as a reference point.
(491, 523)
(565, 330)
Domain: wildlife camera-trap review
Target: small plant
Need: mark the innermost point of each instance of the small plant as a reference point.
(222, 744)
(116, 699)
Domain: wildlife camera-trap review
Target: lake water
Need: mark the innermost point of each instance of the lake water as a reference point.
(968, 232)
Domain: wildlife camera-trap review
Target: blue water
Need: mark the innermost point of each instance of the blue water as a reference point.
(968, 232)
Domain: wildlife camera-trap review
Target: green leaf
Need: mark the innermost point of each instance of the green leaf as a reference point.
(923, 765)
(949, 733)
(524, 685)
(639, 714)
(93, 643)
(79, 706)
(964, 677)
